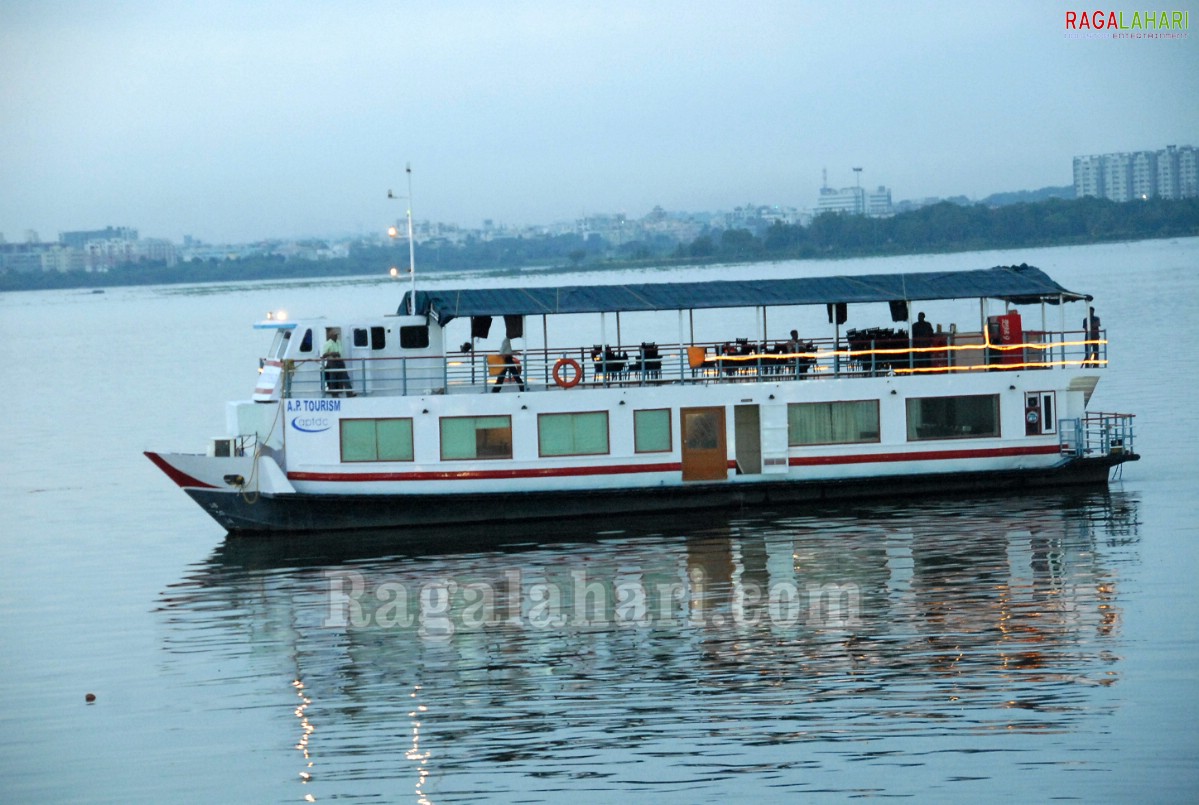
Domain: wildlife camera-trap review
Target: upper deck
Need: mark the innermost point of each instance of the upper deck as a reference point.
(410, 353)
(859, 354)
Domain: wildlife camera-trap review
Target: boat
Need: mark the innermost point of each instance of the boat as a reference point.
(426, 421)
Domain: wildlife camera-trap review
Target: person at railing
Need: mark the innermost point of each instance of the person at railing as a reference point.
(793, 343)
(337, 379)
(1091, 326)
(922, 338)
(793, 347)
(510, 367)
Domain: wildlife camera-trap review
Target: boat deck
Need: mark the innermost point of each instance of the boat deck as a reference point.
(860, 354)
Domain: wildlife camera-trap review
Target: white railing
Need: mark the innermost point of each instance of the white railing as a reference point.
(1097, 435)
(859, 354)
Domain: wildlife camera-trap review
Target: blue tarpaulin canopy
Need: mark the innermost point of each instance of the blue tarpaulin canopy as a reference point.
(1021, 284)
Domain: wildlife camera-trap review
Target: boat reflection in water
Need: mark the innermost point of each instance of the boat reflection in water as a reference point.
(677, 655)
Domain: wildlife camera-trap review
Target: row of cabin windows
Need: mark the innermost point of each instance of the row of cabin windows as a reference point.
(413, 336)
(585, 434)
(857, 422)
(490, 437)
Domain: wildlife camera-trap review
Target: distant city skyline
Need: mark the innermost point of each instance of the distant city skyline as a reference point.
(238, 122)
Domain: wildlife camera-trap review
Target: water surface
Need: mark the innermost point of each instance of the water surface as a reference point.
(1028, 648)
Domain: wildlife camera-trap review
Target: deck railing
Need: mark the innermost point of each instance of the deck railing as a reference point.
(1097, 434)
(738, 361)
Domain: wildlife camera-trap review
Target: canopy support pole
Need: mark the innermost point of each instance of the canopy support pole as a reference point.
(682, 349)
(1061, 304)
(836, 344)
(545, 346)
(907, 306)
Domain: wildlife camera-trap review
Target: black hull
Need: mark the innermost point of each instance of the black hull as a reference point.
(302, 513)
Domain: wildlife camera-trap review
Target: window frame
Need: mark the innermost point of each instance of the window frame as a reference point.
(555, 414)
(669, 430)
(911, 430)
(441, 437)
(878, 431)
(406, 330)
(375, 420)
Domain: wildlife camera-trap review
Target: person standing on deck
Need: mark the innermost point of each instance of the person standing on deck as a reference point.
(794, 345)
(1092, 327)
(511, 366)
(337, 379)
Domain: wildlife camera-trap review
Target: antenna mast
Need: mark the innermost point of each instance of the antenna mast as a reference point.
(411, 246)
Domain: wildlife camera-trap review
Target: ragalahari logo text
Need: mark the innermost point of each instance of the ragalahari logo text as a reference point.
(1128, 25)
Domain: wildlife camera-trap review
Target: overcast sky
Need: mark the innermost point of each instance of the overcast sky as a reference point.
(237, 121)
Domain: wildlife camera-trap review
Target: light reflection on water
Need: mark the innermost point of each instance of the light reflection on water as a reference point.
(805, 651)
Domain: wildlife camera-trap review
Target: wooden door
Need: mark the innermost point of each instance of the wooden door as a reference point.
(705, 456)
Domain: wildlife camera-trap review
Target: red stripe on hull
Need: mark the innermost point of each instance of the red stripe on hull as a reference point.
(626, 469)
(932, 455)
(179, 477)
(548, 472)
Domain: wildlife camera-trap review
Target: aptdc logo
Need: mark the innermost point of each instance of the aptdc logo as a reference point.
(311, 424)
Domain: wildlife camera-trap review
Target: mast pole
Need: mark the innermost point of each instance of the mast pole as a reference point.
(411, 246)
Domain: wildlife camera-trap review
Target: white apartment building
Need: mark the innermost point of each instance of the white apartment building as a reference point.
(1172, 172)
(856, 201)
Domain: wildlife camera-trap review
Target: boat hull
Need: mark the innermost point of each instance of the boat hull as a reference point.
(300, 512)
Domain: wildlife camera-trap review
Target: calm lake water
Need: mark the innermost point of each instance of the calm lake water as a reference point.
(1025, 649)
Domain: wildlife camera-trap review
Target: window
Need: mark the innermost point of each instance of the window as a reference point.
(651, 431)
(953, 417)
(376, 440)
(279, 348)
(467, 437)
(701, 429)
(573, 434)
(832, 422)
(306, 342)
(415, 336)
(374, 337)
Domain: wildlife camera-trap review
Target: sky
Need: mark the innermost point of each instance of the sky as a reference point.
(251, 119)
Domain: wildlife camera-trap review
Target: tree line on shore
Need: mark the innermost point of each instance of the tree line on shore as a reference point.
(943, 227)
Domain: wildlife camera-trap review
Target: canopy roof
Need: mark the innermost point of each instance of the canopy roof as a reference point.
(1022, 284)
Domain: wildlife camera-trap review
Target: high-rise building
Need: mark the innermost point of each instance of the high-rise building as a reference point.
(1170, 173)
(1088, 176)
(1117, 173)
(1144, 175)
(878, 202)
(1188, 172)
(79, 240)
(850, 200)
(855, 201)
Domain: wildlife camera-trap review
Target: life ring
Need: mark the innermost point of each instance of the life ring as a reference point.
(573, 381)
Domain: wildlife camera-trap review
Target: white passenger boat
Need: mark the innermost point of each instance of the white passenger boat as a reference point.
(425, 422)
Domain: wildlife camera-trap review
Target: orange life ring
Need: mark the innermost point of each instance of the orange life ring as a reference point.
(573, 381)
